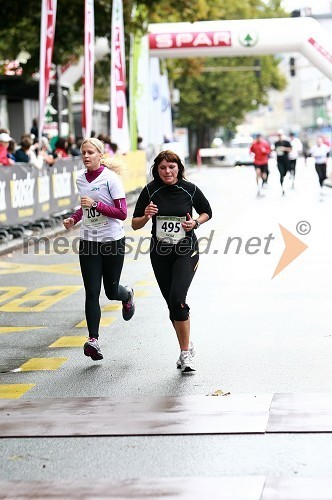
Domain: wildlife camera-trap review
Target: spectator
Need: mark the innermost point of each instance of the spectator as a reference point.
(34, 129)
(61, 148)
(140, 143)
(11, 149)
(46, 151)
(26, 154)
(4, 145)
(75, 145)
(114, 147)
(107, 143)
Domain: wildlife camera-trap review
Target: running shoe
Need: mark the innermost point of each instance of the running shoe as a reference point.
(92, 349)
(192, 353)
(187, 362)
(128, 308)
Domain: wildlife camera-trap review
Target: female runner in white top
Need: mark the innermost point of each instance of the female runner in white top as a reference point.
(102, 241)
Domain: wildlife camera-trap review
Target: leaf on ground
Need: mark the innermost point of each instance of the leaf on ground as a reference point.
(219, 392)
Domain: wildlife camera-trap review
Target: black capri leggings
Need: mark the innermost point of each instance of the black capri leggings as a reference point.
(101, 261)
(174, 274)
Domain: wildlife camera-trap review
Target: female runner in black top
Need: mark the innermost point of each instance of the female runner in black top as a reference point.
(169, 201)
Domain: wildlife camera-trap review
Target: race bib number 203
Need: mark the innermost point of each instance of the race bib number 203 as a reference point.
(93, 218)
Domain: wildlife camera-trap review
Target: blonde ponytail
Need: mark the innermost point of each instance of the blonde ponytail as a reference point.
(115, 163)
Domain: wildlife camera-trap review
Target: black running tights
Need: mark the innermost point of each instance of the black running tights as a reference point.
(101, 261)
(283, 167)
(321, 171)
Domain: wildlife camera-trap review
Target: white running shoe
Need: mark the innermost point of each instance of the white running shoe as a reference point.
(192, 352)
(187, 362)
(92, 349)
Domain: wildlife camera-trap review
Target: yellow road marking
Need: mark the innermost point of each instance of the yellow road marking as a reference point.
(14, 391)
(112, 307)
(40, 299)
(103, 322)
(10, 292)
(145, 283)
(69, 341)
(35, 364)
(142, 293)
(11, 268)
(12, 329)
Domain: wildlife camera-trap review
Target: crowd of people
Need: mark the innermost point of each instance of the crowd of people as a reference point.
(287, 150)
(29, 150)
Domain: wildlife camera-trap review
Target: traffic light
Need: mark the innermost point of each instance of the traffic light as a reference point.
(292, 68)
(257, 68)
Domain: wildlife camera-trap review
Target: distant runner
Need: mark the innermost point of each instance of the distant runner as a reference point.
(261, 150)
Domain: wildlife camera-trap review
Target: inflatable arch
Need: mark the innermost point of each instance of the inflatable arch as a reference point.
(248, 37)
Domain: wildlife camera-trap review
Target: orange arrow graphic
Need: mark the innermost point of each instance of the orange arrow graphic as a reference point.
(293, 248)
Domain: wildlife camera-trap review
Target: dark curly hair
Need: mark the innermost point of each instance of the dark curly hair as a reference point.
(169, 156)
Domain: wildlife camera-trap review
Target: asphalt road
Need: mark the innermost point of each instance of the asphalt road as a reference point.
(252, 334)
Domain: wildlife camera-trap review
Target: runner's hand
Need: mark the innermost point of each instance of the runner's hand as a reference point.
(68, 223)
(150, 210)
(86, 201)
(189, 224)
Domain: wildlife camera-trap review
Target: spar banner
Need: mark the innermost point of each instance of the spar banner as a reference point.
(28, 194)
(89, 62)
(47, 31)
(118, 104)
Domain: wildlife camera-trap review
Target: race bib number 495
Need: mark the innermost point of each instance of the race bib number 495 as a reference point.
(169, 228)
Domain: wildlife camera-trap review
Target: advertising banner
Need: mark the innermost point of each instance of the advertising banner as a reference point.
(119, 113)
(89, 63)
(47, 31)
(28, 194)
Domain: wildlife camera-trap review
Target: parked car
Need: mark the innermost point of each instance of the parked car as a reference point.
(237, 152)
